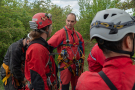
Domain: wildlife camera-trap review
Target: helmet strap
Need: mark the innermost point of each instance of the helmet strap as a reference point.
(44, 31)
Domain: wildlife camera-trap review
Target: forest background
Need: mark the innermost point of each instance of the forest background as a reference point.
(16, 14)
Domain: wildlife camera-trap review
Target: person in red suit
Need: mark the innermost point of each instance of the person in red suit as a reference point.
(40, 69)
(70, 46)
(95, 59)
(114, 31)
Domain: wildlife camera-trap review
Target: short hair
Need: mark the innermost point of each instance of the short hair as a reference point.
(72, 14)
(114, 45)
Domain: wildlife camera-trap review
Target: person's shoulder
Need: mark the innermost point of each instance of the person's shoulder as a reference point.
(19, 42)
(15, 45)
(89, 80)
(133, 66)
(78, 33)
(61, 30)
(80, 36)
(96, 47)
(36, 46)
(89, 75)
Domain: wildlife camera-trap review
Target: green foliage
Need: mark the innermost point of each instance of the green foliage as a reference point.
(16, 14)
(8, 36)
(1, 85)
(58, 17)
(88, 10)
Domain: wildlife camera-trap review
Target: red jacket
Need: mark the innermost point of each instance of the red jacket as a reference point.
(59, 38)
(120, 70)
(36, 65)
(96, 59)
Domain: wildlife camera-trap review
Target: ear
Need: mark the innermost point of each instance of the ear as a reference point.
(27, 41)
(47, 29)
(128, 42)
(75, 22)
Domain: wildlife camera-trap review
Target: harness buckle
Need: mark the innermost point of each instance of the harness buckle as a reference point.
(67, 41)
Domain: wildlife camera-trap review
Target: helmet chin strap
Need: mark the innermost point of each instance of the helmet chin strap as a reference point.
(122, 51)
(44, 31)
(47, 32)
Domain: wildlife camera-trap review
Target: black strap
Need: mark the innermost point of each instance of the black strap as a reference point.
(77, 36)
(61, 69)
(107, 80)
(133, 87)
(66, 35)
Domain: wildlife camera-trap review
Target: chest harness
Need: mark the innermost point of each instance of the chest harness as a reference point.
(62, 58)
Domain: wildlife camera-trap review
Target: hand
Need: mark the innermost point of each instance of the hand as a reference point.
(24, 81)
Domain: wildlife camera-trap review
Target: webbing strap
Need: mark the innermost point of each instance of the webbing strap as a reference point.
(6, 67)
(67, 66)
(77, 36)
(4, 80)
(66, 35)
(107, 80)
(133, 87)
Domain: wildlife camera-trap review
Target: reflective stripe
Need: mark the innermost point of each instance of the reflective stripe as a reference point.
(91, 54)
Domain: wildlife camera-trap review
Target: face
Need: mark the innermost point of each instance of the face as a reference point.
(70, 21)
(27, 41)
(50, 31)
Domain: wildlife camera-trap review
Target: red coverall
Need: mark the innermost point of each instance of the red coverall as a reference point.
(120, 70)
(96, 59)
(36, 66)
(57, 41)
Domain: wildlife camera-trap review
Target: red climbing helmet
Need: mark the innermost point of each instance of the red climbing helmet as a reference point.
(40, 20)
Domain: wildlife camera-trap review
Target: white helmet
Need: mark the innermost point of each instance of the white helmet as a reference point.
(112, 25)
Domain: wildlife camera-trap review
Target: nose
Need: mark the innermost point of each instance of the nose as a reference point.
(69, 22)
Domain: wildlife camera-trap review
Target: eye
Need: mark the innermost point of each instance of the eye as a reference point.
(72, 21)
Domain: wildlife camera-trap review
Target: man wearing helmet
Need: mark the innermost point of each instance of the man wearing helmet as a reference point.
(114, 31)
(40, 69)
(70, 45)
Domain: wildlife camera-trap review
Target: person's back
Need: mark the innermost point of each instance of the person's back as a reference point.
(40, 69)
(96, 59)
(120, 71)
(114, 33)
(12, 73)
